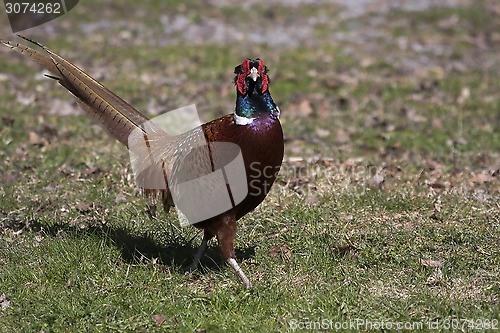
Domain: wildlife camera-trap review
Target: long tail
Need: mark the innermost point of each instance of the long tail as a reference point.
(117, 116)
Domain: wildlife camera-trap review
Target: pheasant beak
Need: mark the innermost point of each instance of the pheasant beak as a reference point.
(254, 74)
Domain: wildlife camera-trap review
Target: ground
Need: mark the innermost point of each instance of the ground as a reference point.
(386, 209)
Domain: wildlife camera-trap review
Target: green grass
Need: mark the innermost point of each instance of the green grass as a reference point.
(386, 208)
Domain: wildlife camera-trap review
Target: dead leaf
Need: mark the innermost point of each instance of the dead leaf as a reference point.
(324, 108)
(437, 123)
(481, 178)
(377, 180)
(367, 62)
(4, 302)
(158, 319)
(34, 139)
(25, 100)
(303, 108)
(430, 263)
(412, 115)
(322, 133)
(281, 251)
(464, 95)
(342, 136)
(434, 165)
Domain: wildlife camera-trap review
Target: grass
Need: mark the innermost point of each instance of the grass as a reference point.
(386, 208)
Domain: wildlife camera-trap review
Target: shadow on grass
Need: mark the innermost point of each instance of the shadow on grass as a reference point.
(178, 253)
(138, 249)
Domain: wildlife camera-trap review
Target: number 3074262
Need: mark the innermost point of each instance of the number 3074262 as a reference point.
(33, 7)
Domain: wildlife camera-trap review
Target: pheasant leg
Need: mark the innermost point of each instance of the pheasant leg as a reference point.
(225, 237)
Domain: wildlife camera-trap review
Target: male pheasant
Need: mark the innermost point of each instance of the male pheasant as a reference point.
(252, 132)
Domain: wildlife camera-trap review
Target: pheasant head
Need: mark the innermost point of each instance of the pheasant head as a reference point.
(252, 88)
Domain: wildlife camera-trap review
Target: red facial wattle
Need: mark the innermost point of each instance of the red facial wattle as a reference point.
(240, 81)
(262, 72)
(245, 70)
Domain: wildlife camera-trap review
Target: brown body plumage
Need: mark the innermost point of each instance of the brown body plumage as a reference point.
(259, 138)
